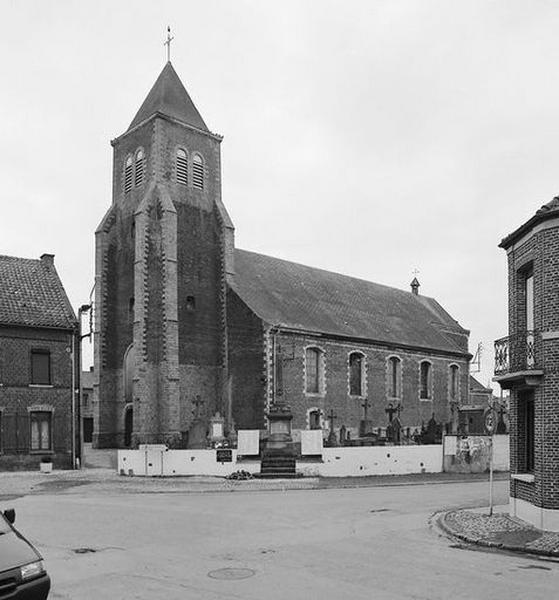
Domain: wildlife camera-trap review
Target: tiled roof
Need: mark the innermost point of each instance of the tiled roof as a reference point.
(31, 294)
(169, 97)
(304, 298)
(550, 210)
(476, 386)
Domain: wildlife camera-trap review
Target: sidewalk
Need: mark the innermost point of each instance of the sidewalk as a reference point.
(498, 531)
(21, 483)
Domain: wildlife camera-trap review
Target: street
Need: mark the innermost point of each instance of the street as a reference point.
(373, 542)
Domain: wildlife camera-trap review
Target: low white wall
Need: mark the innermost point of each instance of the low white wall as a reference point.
(336, 462)
(155, 462)
(375, 460)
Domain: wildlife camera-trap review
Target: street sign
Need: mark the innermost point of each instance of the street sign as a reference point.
(490, 420)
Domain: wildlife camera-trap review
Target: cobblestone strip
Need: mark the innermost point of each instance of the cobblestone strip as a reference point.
(499, 531)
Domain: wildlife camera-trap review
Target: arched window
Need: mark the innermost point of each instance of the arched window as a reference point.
(182, 167)
(128, 175)
(139, 171)
(454, 381)
(197, 172)
(313, 379)
(394, 377)
(425, 384)
(356, 374)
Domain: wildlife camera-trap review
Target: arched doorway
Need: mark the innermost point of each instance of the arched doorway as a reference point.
(128, 426)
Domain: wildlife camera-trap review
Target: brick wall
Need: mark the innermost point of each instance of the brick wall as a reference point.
(18, 396)
(335, 393)
(538, 252)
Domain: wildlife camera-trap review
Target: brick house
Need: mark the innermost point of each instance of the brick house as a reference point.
(187, 325)
(37, 332)
(527, 364)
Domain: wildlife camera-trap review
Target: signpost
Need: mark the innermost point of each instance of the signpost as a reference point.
(490, 422)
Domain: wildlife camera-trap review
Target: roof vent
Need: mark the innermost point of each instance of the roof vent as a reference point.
(48, 258)
(415, 286)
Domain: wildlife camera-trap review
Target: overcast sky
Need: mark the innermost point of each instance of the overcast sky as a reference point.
(369, 138)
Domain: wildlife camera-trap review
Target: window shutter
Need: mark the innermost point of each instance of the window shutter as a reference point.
(182, 167)
(197, 172)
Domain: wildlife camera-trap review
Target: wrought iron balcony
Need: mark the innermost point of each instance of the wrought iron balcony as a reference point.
(516, 353)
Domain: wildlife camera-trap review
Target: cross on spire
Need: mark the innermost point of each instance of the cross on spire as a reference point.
(168, 43)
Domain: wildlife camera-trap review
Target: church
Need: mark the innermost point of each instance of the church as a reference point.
(188, 326)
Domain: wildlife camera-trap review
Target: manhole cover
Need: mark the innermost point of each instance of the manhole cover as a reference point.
(84, 550)
(230, 574)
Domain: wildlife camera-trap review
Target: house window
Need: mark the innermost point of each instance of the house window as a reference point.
(139, 171)
(40, 367)
(312, 372)
(394, 373)
(182, 167)
(41, 430)
(425, 380)
(454, 382)
(527, 431)
(356, 374)
(197, 172)
(128, 175)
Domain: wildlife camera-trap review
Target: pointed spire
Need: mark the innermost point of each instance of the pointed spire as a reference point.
(169, 97)
(415, 286)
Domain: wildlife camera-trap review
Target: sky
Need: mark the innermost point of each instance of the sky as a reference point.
(371, 138)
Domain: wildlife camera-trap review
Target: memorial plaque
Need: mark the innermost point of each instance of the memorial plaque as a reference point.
(224, 455)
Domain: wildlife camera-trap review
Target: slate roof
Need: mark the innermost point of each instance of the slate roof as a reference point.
(31, 294)
(305, 298)
(169, 97)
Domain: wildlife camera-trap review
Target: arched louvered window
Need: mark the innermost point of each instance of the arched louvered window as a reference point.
(182, 167)
(128, 175)
(139, 171)
(198, 172)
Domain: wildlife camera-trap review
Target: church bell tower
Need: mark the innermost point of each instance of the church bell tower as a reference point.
(163, 250)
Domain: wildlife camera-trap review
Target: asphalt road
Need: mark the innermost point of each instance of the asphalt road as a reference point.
(370, 543)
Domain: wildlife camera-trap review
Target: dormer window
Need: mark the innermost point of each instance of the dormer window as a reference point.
(182, 167)
(198, 172)
(139, 171)
(128, 175)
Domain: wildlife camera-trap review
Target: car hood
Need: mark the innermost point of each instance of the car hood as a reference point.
(15, 551)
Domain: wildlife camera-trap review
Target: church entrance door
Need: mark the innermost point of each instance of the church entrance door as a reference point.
(128, 426)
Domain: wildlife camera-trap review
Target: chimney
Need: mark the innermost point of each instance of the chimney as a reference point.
(48, 259)
(415, 287)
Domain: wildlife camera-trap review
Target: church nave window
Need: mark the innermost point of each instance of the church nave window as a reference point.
(454, 386)
(426, 380)
(394, 377)
(139, 171)
(128, 175)
(182, 167)
(356, 364)
(197, 172)
(313, 371)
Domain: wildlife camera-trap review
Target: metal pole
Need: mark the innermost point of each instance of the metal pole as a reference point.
(491, 466)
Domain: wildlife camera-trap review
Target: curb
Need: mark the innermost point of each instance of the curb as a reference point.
(440, 520)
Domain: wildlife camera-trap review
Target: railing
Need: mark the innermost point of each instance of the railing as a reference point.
(516, 353)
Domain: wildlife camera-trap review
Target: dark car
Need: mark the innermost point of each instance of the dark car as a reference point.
(22, 574)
